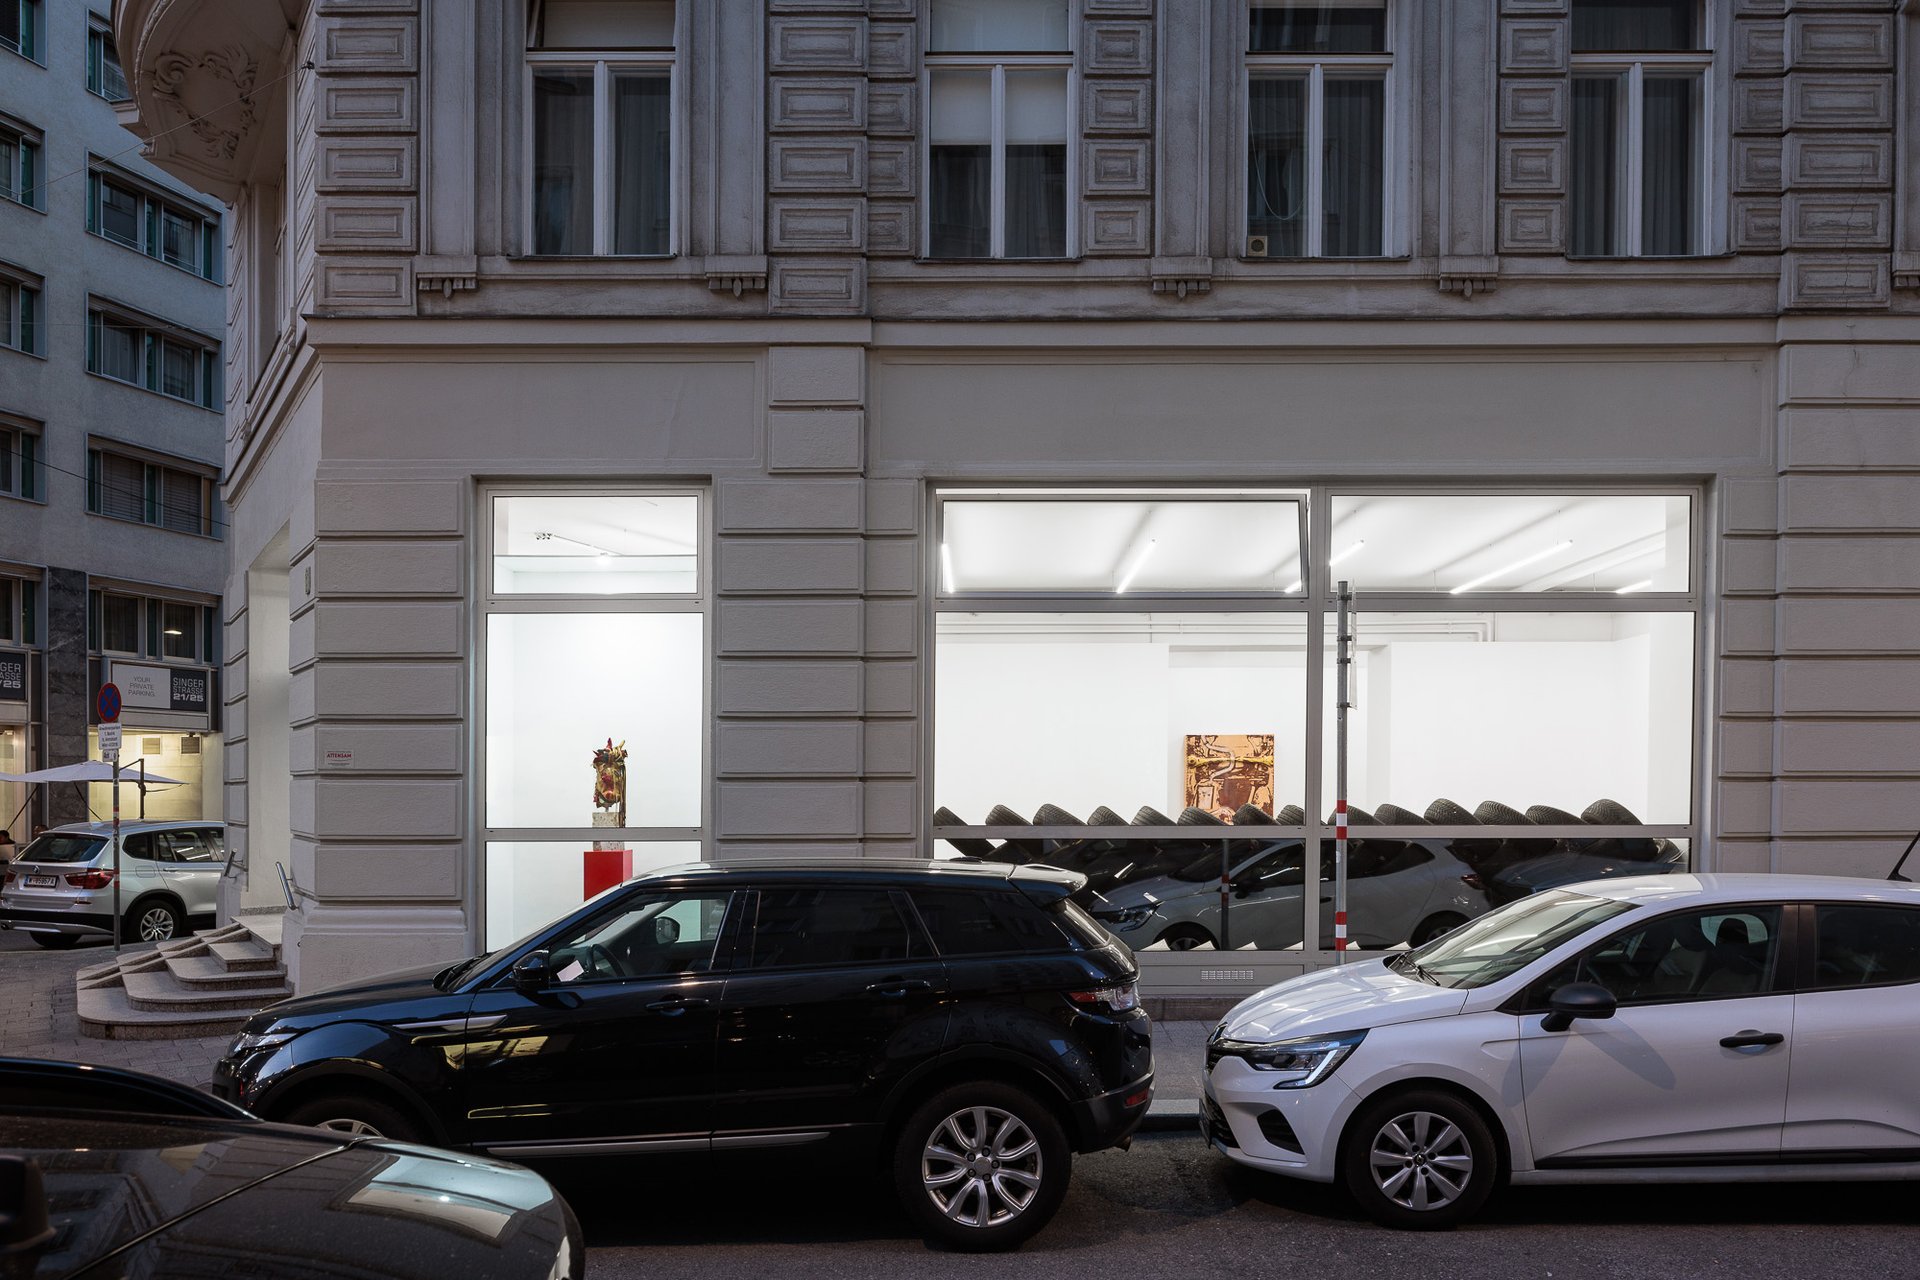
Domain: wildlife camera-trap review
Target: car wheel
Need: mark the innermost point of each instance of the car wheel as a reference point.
(354, 1116)
(152, 922)
(56, 941)
(1419, 1160)
(1186, 937)
(1433, 926)
(981, 1167)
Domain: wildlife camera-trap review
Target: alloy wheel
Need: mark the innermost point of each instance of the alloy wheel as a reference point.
(981, 1166)
(356, 1128)
(1421, 1161)
(156, 925)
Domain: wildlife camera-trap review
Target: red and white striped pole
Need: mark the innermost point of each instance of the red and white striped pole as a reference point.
(1340, 859)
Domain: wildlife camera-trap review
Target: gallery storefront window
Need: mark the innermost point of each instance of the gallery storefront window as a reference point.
(594, 695)
(1140, 687)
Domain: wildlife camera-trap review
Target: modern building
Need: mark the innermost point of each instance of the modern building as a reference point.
(112, 535)
(900, 422)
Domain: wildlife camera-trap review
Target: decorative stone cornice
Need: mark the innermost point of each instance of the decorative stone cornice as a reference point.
(1182, 276)
(737, 273)
(200, 75)
(1468, 276)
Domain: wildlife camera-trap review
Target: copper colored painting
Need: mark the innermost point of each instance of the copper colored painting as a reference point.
(1227, 770)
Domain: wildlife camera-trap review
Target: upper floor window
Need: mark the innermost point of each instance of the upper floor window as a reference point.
(19, 160)
(1638, 124)
(104, 75)
(19, 611)
(22, 28)
(128, 213)
(1318, 74)
(999, 120)
(20, 474)
(601, 127)
(19, 314)
(146, 354)
(149, 491)
(147, 627)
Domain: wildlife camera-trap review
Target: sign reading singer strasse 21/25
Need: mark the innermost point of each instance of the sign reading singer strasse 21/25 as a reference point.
(152, 687)
(13, 677)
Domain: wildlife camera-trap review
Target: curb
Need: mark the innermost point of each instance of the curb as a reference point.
(1168, 1115)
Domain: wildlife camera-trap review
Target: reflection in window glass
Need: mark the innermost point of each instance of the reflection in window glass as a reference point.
(179, 630)
(560, 685)
(999, 26)
(1120, 545)
(587, 544)
(643, 147)
(120, 624)
(798, 927)
(531, 883)
(1277, 163)
(1317, 26)
(1036, 183)
(563, 162)
(1467, 717)
(960, 160)
(1489, 543)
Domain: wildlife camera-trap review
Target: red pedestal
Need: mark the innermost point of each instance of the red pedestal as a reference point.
(606, 868)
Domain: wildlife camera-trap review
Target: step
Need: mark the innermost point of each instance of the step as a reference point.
(106, 1014)
(207, 973)
(157, 992)
(246, 956)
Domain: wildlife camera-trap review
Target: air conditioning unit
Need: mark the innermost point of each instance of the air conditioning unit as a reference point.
(1256, 246)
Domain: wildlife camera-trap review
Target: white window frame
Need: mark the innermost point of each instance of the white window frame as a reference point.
(998, 65)
(26, 141)
(1633, 71)
(603, 65)
(492, 603)
(1313, 68)
(1319, 607)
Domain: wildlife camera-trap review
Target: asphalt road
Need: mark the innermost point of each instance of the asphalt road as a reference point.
(1171, 1208)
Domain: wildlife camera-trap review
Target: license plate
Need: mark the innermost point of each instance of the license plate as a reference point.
(42, 882)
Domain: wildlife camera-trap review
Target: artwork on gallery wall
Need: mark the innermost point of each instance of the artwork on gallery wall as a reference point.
(1227, 770)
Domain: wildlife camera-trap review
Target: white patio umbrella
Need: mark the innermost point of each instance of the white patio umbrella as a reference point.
(92, 771)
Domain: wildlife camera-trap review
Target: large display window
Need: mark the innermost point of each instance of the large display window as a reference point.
(594, 695)
(1523, 701)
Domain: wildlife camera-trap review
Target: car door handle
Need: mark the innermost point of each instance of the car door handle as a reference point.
(1752, 1040)
(894, 988)
(673, 1006)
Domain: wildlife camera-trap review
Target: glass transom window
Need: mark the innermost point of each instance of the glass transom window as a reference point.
(1120, 545)
(565, 544)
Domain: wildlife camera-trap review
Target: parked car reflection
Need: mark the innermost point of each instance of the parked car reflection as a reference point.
(1157, 879)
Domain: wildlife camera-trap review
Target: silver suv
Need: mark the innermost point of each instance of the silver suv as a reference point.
(59, 888)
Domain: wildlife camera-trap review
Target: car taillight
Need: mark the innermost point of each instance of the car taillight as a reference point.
(1473, 881)
(98, 879)
(1117, 999)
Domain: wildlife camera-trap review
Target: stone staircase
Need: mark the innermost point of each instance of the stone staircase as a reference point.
(205, 985)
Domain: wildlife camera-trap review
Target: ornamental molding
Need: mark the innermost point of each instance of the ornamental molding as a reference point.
(231, 65)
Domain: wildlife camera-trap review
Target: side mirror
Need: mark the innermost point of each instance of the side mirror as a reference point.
(532, 972)
(666, 931)
(24, 1221)
(1578, 1000)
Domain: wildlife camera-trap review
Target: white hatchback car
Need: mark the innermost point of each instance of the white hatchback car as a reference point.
(1674, 1028)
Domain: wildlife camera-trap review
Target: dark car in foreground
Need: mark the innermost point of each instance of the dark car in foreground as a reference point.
(107, 1173)
(966, 1027)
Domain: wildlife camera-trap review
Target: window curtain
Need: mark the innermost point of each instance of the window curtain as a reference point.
(1036, 191)
(643, 152)
(1633, 26)
(1592, 175)
(1277, 164)
(563, 162)
(960, 165)
(1666, 180)
(1353, 187)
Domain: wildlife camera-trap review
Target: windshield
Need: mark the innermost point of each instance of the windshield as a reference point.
(59, 846)
(1506, 941)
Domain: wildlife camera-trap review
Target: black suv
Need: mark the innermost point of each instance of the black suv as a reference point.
(966, 1024)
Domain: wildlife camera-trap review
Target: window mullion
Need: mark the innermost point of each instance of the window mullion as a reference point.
(602, 159)
(997, 165)
(1316, 146)
(1635, 152)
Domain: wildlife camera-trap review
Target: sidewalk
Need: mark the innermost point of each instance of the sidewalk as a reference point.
(38, 1020)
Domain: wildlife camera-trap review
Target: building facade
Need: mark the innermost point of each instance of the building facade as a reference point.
(899, 427)
(112, 550)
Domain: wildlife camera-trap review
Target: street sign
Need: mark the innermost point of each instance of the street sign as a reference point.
(108, 703)
(109, 741)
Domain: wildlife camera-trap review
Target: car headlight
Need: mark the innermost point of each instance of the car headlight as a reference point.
(254, 1041)
(1295, 1064)
(1126, 917)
